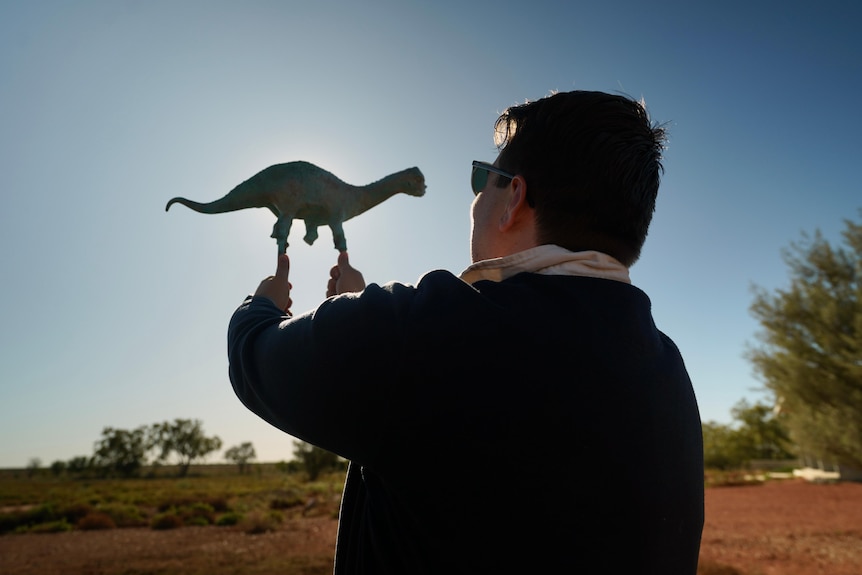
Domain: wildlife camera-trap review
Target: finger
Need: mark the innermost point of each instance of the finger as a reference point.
(282, 269)
(343, 259)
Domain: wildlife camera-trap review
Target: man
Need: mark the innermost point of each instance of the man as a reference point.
(525, 417)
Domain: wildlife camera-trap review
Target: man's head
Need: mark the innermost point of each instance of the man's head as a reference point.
(590, 163)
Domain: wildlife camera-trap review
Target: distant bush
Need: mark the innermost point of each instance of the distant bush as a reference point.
(228, 519)
(286, 501)
(166, 520)
(23, 520)
(96, 520)
(197, 521)
(197, 514)
(258, 522)
(74, 512)
(58, 468)
(292, 466)
(41, 514)
(218, 504)
(214, 496)
(52, 527)
(8, 522)
(124, 514)
(173, 503)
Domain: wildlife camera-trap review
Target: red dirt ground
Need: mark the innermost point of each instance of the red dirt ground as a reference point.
(788, 527)
(781, 528)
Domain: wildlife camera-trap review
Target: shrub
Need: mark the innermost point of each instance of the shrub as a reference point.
(12, 521)
(292, 466)
(230, 518)
(166, 520)
(52, 527)
(214, 503)
(124, 515)
(218, 504)
(291, 500)
(96, 520)
(197, 514)
(47, 518)
(173, 503)
(41, 514)
(258, 522)
(75, 512)
(197, 521)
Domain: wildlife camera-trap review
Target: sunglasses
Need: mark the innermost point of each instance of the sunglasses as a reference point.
(479, 177)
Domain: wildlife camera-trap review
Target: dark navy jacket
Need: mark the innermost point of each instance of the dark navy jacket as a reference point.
(541, 424)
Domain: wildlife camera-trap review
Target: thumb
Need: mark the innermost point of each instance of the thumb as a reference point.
(344, 260)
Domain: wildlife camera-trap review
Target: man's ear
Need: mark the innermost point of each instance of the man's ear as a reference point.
(516, 206)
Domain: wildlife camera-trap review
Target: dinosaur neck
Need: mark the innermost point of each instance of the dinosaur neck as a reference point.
(374, 193)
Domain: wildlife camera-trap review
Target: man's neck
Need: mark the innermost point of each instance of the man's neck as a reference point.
(548, 259)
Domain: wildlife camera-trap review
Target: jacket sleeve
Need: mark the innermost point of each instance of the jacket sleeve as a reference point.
(322, 376)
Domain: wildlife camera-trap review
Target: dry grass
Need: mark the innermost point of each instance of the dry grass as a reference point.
(275, 524)
(210, 495)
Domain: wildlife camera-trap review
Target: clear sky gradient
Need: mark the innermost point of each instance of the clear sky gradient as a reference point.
(115, 312)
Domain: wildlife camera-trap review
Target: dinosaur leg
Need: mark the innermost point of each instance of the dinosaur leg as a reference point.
(310, 232)
(280, 231)
(338, 237)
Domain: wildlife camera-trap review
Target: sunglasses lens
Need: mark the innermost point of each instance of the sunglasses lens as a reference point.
(478, 179)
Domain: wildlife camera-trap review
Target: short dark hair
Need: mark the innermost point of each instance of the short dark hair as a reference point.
(592, 163)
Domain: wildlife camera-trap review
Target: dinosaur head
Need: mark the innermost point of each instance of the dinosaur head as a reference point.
(413, 183)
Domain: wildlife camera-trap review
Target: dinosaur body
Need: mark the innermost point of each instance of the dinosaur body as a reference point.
(300, 190)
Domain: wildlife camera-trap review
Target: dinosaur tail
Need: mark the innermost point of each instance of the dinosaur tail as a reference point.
(216, 207)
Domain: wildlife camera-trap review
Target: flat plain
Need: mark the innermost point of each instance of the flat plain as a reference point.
(787, 527)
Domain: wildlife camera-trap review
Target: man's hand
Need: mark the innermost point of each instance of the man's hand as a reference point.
(277, 287)
(344, 278)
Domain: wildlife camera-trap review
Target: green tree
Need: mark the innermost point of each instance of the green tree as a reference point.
(761, 433)
(810, 350)
(78, 464)
(121, 452)
(241, 455)
(33, 466)
(314, 460)
(757, 432)
(58, 468)
(186, 439)
(719, 450)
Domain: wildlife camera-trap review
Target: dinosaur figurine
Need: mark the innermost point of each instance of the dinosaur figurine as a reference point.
(300, 190)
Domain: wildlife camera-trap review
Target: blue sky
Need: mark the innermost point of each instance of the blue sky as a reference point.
(115, 312)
